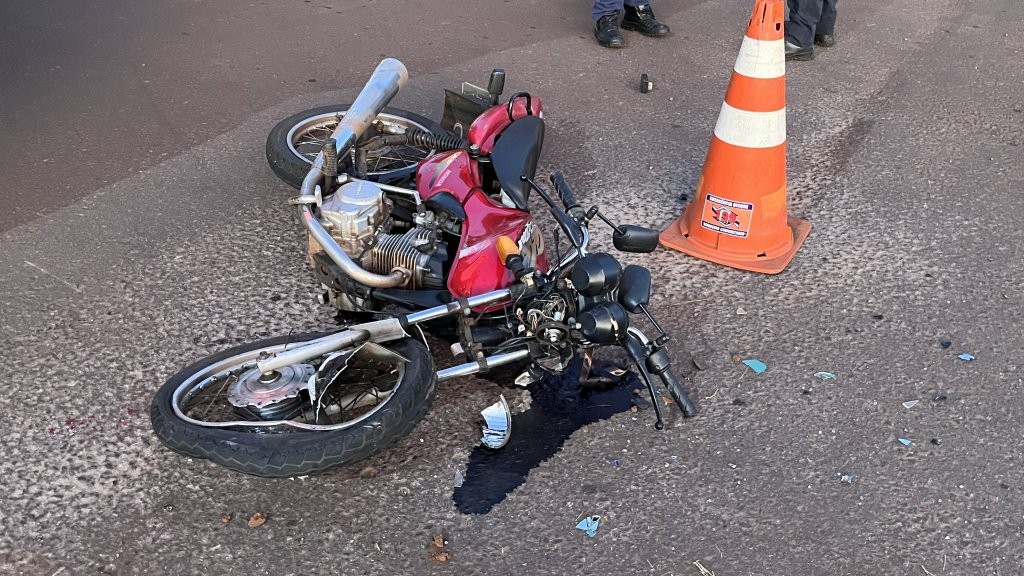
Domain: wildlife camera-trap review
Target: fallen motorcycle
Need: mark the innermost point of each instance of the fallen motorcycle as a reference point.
(417, 226)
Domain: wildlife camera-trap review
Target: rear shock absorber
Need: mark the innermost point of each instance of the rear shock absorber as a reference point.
(426, 139)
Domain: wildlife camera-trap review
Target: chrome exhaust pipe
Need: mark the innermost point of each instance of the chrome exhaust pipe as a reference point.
(382, 86)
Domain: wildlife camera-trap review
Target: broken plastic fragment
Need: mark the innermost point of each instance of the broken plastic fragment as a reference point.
(755, 365)
(966, 357)
(824, 375)
(589, 525)
(459, 480)
(910, 403)
(497, 424)
(904, 441)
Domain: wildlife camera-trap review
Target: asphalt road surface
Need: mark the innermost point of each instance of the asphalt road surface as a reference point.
(141, 229)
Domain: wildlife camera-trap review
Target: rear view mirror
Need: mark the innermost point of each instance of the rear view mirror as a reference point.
(631, 238)
(635, 288)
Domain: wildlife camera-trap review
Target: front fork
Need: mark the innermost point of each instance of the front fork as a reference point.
(650, 359)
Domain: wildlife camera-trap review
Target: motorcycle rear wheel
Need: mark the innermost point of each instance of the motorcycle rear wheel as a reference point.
(294, 142)
(192, 414)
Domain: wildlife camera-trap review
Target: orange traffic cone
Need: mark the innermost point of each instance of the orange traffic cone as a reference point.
(738, 214)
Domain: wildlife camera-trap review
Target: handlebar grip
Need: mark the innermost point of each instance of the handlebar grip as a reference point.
(675, 388)
(568, 199)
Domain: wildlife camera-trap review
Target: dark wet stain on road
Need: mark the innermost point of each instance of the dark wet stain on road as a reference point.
(560, 406)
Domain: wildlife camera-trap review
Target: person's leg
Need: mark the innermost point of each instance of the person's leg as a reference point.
(605, 7)
(803, 20)
(640, 17)
(827, 22)
(606, 14)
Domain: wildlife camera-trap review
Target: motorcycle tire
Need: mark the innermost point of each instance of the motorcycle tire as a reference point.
(295, 141)
(285, 451)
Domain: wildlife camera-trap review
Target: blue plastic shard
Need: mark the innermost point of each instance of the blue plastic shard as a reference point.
(824, 375)
(904, 441)
(589, 525)
(966, 357)
(755, 365)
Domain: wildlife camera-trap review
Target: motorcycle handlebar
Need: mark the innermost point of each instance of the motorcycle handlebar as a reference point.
(675, 388)
(565, 194)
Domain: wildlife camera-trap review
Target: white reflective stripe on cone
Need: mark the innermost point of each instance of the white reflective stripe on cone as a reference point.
(761, 58)
(751, 129)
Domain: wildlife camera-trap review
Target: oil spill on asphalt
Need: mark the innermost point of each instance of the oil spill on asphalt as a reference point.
(559, 407)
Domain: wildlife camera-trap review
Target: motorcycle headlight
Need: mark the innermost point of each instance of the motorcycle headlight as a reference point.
(604, 322)
(596, 274)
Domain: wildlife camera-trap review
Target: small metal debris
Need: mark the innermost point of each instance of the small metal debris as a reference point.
(910, 403)
(905, 441)
(756, 365)
(645, 84)
(966, 357)
(824, 376)
(589, 525)
(847, 478)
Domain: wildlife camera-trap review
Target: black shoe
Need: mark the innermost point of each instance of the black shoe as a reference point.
(825, 40)
(794, 52)
(607, 31)
(641, 19)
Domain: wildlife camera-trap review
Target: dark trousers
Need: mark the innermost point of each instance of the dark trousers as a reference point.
(810, 17)
(605, 7)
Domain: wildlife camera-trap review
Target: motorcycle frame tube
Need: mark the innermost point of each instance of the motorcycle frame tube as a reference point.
(378, 331)
(457, 306)
(474, 367)
(385, 82)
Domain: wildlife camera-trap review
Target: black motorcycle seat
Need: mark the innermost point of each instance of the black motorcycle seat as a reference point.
(515, 154)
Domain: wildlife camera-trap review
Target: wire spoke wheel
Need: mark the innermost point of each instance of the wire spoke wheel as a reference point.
(295, 142)
(302, 418)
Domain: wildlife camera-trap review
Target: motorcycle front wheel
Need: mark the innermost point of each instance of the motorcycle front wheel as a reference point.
(301, 419)
(294, 142)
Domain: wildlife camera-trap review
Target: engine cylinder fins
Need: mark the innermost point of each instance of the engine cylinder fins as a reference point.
(400, 251)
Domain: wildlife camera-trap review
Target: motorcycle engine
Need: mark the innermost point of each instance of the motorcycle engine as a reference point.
(354, 216)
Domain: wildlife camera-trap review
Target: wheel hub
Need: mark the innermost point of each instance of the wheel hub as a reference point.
(257, 389)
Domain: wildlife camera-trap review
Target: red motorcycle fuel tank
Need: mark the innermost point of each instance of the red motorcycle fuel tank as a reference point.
(477, 267)
(488, 125)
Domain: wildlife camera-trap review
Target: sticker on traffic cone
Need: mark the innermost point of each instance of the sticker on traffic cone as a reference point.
(738, 214)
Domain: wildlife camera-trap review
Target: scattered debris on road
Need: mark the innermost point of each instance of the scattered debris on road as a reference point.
(905, 441)
(226, 518)
(966, 357)
(756, 365)
(590, 525)
(910, 403)
(258, 519)
(438, 553)
(824, 376)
